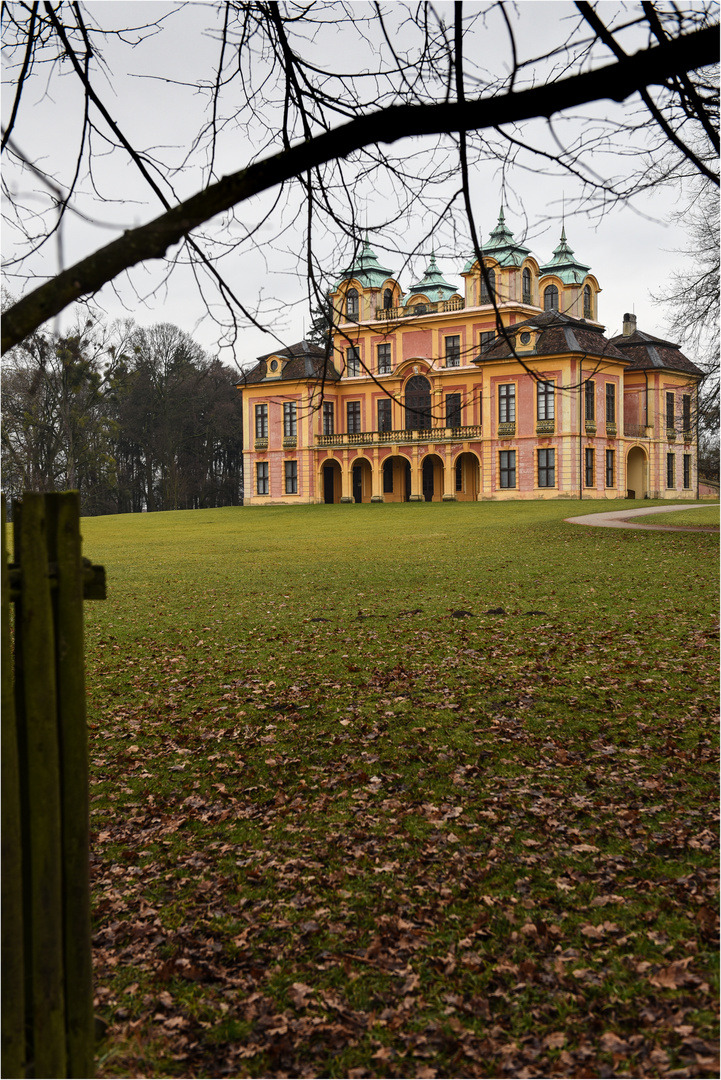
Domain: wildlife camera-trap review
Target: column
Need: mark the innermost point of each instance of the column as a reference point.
(416, 477)
(449, 476)
(346, 480)
(376, 477)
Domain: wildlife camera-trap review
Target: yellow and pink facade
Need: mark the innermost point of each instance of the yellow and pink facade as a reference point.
(504, 388)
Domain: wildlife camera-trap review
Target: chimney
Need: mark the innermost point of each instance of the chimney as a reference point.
(629, 325)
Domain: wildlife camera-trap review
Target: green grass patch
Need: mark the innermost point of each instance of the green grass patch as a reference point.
(340, 831)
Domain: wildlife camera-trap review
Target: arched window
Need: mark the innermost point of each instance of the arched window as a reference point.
(418, 403)
(587, 303)
(351, 301)
(550, 298)
(387, 298)
(526, 286)
(485, 297)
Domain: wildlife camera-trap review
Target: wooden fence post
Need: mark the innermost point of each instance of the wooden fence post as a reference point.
(47, 998)
(13, 982)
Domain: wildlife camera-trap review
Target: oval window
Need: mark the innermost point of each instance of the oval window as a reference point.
(274, 365)
(525, 337)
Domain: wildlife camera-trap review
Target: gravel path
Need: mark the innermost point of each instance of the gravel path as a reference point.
(618, 519)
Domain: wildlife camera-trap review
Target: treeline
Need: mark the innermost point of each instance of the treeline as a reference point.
(135, 418)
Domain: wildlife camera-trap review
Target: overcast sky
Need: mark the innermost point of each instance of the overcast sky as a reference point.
(152, 93)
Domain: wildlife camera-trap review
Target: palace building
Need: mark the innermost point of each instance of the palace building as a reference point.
(422, 398)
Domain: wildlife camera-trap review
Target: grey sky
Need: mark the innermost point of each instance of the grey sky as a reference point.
(152, 93)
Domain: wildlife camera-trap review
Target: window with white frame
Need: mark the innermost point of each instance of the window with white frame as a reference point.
(290, 419)
(507, 468)
(328, 418)
(545, 400)
(261, 421)
(352, 361)
(353, 417)
(453, 350)
(546, 468)
(507, 403)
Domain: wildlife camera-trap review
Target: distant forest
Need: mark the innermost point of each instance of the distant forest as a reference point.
(135, 418)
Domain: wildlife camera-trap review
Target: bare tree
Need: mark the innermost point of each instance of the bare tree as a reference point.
(415, 77)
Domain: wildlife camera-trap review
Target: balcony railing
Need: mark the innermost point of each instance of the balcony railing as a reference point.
(261, 443)
(425, 435)
(506, 430)
(611, 429)
(638, 431)
(290, 442)
(591, 427)
(670, 435)
(412, 311)
(545, 427)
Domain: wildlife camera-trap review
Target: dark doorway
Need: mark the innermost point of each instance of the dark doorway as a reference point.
(357, 484)
(407, 495)
(328, 489)
(418, 403)
(428, 480)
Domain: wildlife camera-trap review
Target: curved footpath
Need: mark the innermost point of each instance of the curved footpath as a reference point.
(616, 519)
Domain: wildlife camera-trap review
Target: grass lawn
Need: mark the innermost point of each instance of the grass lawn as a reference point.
(339, 831)
(707, 516)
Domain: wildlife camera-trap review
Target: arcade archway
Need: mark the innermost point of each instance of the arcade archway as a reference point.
(637, 473)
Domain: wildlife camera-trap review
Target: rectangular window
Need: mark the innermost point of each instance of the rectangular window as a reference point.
(590, 467)
(547, 468)
(385, 422)
(610, 405)
(590, 398)
(670, 411)
(508, 468)
(290, 418)
(686, 412)
(453, 351)
(610, 469)
(352, 361)
(507, 405)
(353, 417)
(261, 421)
(261, 475)
(545, 401)
(670, 470)
(453, 410)
(487, 336)
(384, 359)
(291, 477)
(328, 418)
(687, 470)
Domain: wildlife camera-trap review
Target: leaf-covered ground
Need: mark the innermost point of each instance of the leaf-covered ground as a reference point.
(707, 517)
(341, 829)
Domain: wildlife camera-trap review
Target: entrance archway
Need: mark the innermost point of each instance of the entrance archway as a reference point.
(332, 485)
(432, 478)
(361, 480)
(418, 403)
(466, 477)
(636, 473)
(396, 471)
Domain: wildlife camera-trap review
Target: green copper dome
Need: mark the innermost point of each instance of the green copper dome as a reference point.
(433, 284)
(501, 246)
(366, 269)
(564, 265)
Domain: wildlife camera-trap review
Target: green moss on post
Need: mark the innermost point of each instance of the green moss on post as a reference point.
(12, 983)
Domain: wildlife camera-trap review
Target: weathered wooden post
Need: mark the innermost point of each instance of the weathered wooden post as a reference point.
(49, 926)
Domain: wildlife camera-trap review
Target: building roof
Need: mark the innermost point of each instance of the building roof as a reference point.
(646, 351)
(564, 264)
(302, 361)
(501, 247)
(559, 334)
(433, 284)
(366, 269)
